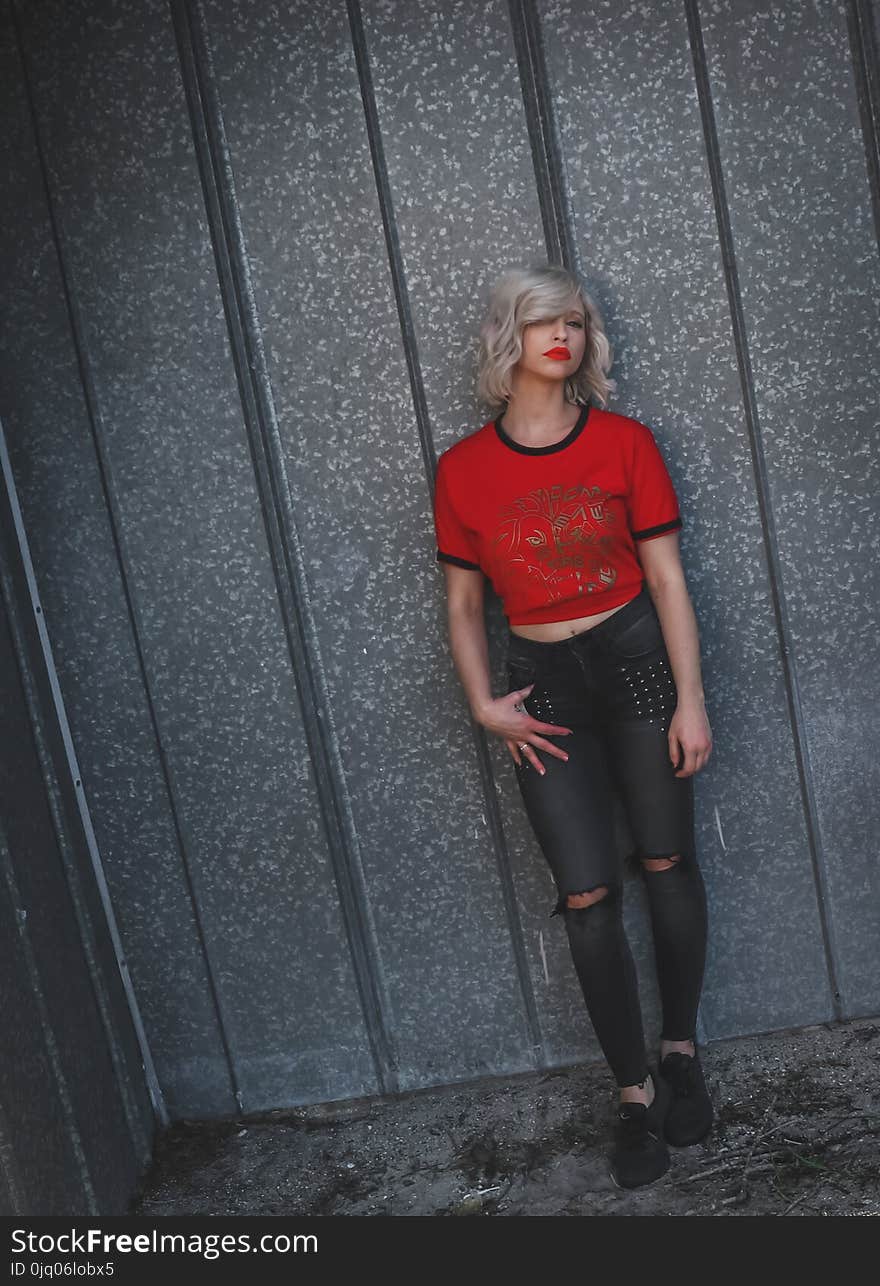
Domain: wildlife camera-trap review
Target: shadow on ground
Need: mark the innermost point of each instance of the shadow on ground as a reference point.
(796, 1132)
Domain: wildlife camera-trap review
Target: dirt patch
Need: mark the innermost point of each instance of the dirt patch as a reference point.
(796, 1132)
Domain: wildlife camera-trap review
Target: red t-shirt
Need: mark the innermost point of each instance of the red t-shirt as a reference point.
(554, 528)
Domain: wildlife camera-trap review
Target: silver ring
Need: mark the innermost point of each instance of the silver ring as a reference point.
(521, 745)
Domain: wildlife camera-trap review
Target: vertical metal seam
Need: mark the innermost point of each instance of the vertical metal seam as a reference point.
(866, 74)
(49, 768)
(9, 1166)
(762, 490)
(277, 509)
(89, 398)
(547, 154)
(45, 1024)
(410, 348)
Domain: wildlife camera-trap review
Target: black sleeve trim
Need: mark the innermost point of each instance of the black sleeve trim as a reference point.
(656, 531)
(459, 562)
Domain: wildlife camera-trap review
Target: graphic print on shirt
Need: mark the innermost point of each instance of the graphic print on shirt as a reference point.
(563, 535)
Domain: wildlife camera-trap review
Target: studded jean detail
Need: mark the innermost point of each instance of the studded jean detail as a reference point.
(651, 687)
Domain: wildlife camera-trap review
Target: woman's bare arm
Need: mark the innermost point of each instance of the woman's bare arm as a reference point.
(470, 652)
(467, 634)
(689, 734)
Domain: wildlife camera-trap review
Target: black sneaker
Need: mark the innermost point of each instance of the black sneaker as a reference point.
(689, 1116)
(640, 1154)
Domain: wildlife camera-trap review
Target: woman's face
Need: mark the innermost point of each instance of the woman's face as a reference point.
(556, 337)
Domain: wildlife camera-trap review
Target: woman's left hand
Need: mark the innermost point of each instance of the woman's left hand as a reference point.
(690, 738)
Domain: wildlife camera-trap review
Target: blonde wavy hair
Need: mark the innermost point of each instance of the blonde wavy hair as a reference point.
(538, 293)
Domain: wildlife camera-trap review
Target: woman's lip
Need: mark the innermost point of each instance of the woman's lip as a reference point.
(561, 354)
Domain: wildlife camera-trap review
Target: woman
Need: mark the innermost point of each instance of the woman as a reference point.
(570, 512)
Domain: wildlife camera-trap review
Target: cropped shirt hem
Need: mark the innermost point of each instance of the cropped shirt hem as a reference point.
(575, 608)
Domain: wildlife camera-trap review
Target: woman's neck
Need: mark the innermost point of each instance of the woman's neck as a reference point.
(538, 416)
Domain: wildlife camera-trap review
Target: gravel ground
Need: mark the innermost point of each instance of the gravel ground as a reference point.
(796, 1133)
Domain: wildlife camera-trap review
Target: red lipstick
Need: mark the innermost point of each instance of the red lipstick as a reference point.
(559, 353)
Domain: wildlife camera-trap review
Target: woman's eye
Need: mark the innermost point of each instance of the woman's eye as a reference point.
(580, 325)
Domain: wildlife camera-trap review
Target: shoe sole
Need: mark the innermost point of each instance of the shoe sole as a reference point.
(690, 1142)
(628, 1187)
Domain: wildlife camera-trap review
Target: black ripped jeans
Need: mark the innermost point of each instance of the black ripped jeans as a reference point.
(613, 686)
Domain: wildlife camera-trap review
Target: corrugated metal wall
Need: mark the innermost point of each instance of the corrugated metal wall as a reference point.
(76, 1120)
(246, 251)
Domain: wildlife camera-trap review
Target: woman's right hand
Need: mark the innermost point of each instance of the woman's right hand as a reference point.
(516, 726)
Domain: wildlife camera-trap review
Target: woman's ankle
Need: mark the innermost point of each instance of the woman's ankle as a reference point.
(677, 1046)
(643, 1092)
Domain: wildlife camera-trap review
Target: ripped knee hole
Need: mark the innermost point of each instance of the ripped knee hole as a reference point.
(660, 863)
(587, 899)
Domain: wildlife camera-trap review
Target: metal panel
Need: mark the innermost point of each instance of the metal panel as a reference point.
(42, 1152)
(294, 122)
(87, 611)
(211, 823)
(76, 1071)
(789, 131)
(643, 209)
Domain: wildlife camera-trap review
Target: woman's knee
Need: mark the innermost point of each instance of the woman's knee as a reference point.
(660, 863)
(587, 899)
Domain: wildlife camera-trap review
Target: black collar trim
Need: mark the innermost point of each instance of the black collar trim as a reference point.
(570, 437)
